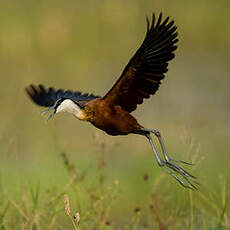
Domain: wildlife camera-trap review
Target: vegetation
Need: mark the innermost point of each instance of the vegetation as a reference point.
(92, 204)
(50, 172)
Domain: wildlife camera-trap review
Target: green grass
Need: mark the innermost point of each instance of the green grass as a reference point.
(84, 45)
(99, 198)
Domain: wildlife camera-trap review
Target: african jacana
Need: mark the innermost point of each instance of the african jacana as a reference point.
(140, 79)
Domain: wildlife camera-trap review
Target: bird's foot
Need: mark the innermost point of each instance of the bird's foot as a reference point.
(179, 161)
(181, 175)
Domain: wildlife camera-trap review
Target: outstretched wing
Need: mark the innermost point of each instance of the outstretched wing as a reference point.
(144, 72)
(48, 97)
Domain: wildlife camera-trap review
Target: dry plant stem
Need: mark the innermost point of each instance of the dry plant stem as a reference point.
(101, 166)
(75, 226)
(156, 210)
(191, 210)
(101, 162)
(51, 224)
(68, 212)
(17, 207)
(70, 168)
(223, 220)
(67, 186)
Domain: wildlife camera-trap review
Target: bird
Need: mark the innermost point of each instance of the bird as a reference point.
(139, 80)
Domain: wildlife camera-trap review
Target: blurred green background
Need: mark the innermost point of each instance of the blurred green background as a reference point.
(84, 45)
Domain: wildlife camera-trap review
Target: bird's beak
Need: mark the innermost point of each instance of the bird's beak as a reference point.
(51, 115)
(49, 109)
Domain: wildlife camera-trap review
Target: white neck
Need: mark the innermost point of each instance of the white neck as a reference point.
(70, 107)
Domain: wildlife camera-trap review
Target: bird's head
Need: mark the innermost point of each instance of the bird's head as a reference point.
(66, 105)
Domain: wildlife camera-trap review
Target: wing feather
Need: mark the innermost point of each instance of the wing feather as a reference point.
(144, 72)
(48, 97)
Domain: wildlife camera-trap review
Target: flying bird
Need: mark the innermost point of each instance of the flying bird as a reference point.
(139, 80)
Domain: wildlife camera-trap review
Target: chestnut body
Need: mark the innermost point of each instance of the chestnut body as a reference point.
(111, 118)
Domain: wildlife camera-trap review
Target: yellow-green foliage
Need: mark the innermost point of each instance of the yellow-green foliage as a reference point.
(113, 182)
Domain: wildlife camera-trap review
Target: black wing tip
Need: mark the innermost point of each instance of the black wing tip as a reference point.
(37, 94)
(160, 38)
(156, 22)
(148, 23)
(46, 97)
(30, 90)
(34, 89)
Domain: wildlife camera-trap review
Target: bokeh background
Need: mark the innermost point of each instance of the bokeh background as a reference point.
(84, 45)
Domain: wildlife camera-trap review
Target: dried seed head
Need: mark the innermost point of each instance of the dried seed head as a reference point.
(146, 176)
(116, 182)
(67, 206)
(137, 210)
(77, 217)
(107, 223)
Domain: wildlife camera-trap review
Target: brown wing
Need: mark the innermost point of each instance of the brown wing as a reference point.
(144, 72)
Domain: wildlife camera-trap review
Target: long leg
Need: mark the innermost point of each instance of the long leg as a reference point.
(171, 167)
(160, 162)
(160, 139)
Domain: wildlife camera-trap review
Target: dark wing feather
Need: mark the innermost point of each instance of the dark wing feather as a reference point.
(144, 72)
(48, 97)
